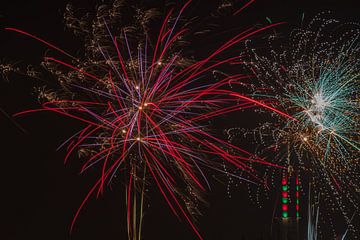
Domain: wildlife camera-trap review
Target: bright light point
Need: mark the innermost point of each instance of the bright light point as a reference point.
(140, 108)
(317, 109)
(319, 101)
(123, 131)
(305, 139)
(138, 139)
(137, 87)
(145, 104)
(159, 63)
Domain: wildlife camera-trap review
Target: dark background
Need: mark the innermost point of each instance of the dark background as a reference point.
(40, 195)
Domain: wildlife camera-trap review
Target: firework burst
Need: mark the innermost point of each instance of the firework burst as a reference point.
(145, 107)
(315, 80)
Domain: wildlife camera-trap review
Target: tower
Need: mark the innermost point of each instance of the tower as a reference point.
(288, 222)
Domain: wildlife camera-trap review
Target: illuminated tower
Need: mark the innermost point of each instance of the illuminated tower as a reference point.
(284, 197)
(297, 199)
(290, 207)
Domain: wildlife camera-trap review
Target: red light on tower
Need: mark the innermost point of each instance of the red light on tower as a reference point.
(285, 207)
(284, 194)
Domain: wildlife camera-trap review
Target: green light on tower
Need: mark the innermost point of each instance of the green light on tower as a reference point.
(285, 214)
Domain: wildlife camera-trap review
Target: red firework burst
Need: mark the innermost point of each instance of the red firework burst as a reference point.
(144, 107)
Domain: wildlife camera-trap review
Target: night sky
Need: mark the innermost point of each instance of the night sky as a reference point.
(40, 195)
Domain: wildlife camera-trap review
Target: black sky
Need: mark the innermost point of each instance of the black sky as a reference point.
(40, 195)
